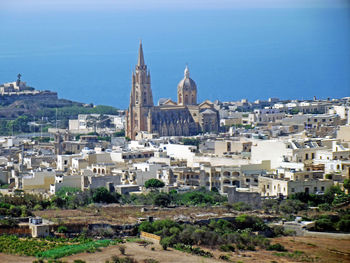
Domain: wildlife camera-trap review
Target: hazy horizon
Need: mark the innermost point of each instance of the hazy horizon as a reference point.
(114, 5)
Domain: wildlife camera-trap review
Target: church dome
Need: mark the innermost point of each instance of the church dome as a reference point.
(187, 90)
(187, 83)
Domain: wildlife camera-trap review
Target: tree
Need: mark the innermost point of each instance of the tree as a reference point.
(102, 195)
(154, 183)
(162, 199)
(191, 141)
(347, 184)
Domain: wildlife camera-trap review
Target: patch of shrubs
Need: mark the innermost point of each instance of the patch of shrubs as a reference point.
(340, 222)
(277, 247)
(224, 257)
(193, 250)
(116, 259)
(221, 233)
(227, 248)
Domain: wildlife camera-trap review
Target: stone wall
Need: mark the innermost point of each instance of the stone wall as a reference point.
(251, 198)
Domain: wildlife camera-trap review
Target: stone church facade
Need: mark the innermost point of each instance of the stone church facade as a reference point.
(184, 118)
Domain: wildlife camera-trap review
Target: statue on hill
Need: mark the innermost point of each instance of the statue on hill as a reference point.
(18, 79)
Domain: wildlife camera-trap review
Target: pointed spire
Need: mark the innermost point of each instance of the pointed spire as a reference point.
(140, 60)
(187, 72)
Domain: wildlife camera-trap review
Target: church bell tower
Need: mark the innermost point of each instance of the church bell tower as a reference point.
(141, 99)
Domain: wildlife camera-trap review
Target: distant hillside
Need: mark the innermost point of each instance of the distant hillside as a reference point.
(33, 114)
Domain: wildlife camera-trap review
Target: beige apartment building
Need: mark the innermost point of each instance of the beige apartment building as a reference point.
(274, 186)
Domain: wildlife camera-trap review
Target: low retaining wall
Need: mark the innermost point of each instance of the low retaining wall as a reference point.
(150, 237)
(21, 231)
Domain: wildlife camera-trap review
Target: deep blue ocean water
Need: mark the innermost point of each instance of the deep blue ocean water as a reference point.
(232, 54)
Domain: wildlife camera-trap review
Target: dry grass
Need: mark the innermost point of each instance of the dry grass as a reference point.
(129, 214)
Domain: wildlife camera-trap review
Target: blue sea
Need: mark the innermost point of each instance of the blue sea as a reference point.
(232, 54)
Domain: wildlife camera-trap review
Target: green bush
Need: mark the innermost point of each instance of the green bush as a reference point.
(224, 257)
(227, 248)
(276, 247)
(154, 183)
(62, 229)
(192, 250)
(116, 259)
(343, 225)
(324, 224)
(102, 195)
(241, 206)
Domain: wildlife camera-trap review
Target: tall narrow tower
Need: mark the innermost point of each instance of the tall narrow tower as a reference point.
(141, 99)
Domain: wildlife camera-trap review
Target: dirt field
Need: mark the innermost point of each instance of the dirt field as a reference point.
(322, 250)
(116, 214)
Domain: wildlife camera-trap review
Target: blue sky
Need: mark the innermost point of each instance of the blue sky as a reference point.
(93, 5)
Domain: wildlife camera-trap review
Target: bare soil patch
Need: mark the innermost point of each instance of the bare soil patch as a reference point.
(116, 214)
(322, 250)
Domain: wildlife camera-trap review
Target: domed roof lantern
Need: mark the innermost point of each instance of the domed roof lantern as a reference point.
(187, 72)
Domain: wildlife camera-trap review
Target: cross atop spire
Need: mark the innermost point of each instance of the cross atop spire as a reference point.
(140, 60)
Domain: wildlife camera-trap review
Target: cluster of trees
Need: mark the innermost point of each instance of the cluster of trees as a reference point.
(13, 211)
(302, 201)
(119, 133)
(191, 141)
(331, 219)
(21, 204)
(18, 125)
(21, 123)
(334, 222)
(201, 197)
(221, 233)
(72, 112)
(67, 197)
(70, 197)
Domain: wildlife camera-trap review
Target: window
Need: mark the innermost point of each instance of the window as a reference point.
(228, 146)
(322, 188)
(293, 190)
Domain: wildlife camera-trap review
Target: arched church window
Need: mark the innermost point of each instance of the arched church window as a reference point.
(186, 99)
